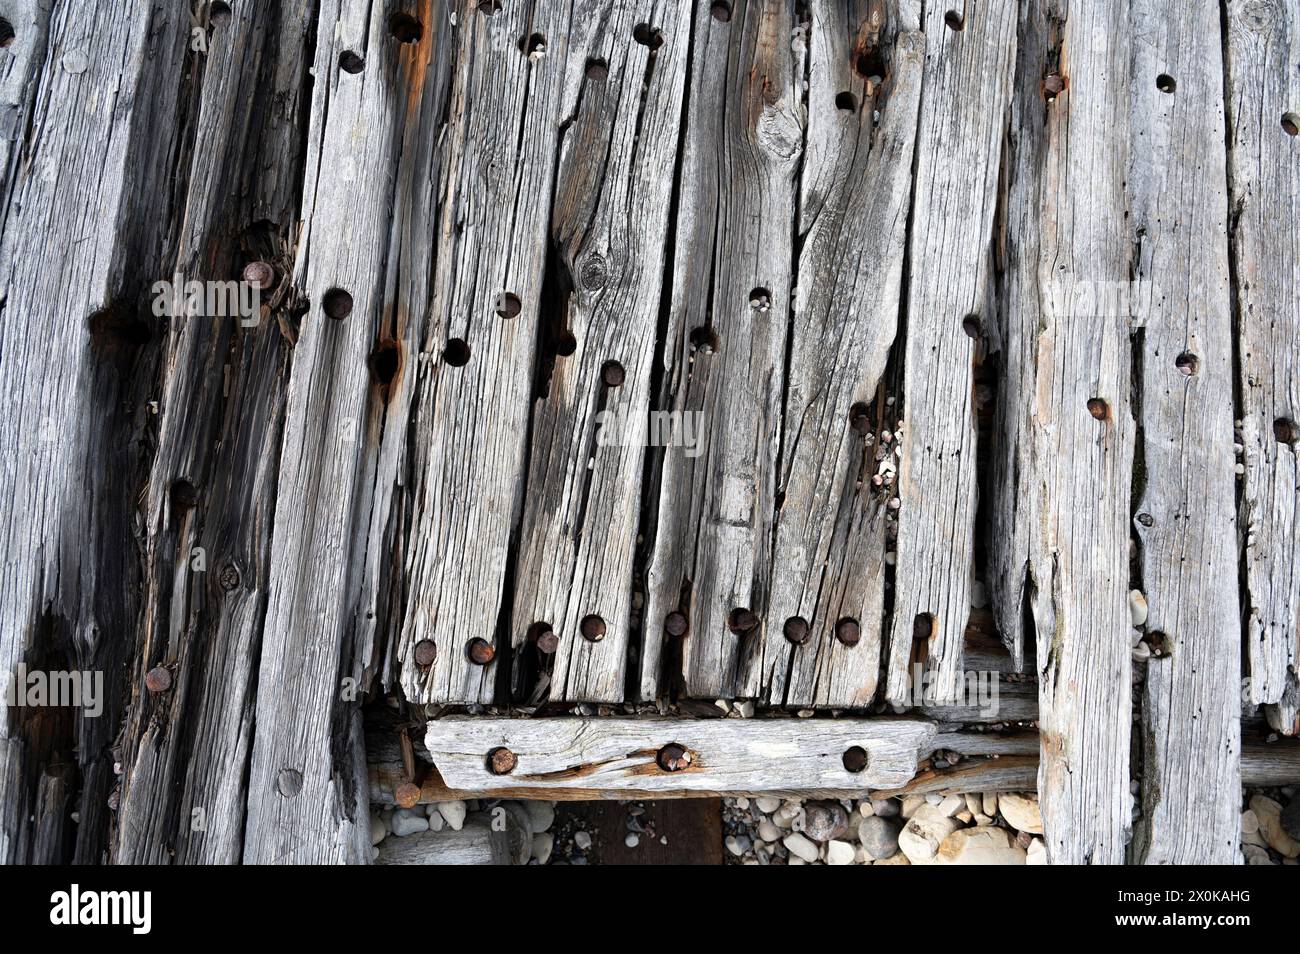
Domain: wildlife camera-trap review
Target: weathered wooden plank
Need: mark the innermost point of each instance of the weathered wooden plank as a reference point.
(1263, 88)
(89, 99)
(964, 110)
(475, 843)
(590, 430)
(209, 498)
(821, 635)
(1186, 519)
(477, 358)
(670, 756)
(724, 349)
(1061, 523)
(366, 204)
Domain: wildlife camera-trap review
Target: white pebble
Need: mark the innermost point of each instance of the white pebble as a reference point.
(800, 847)
(543, 844)
(839, 853)
(583, 840)
(632, 840)
(454, 813)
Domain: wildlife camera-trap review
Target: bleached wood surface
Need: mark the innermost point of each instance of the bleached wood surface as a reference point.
(476, 843)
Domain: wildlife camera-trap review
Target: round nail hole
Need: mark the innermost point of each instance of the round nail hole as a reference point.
(508, 305)
(501, 761)
(923, 626)
(1146, 520)
(219, 13)
(533, 45)
(855, 759)
(1187, 363)
(426, 651)
(704, 339)
(612, 374)
(183, 496)
(760, 299)
(597, 69)
(543, 636)
(566, 344)
(337, 304)
(1165, 83)
(848, 632)
(456, 352)
(1286, 431)
(592, 628)
(796, 630)
(846, 101)
(6, 32)
(405, 28)
(673, 757)
(383, 362)
(954, 20)
(1291, 123)
(1098, 408)
(647, 35)
(721, 11)
(860, 418)
(489, 7)
(351, 62)
(971, 325)
(741, 620)
(480, 651)
(675, 624)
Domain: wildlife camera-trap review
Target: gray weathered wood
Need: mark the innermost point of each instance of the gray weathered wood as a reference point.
(476, 843)
(1263, 86)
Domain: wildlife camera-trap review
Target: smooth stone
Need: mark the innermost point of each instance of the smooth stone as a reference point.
(911, 803)
(404, 825)
(632, 840)
(800, 847)
(436, 821)
(924, 833)
(885, 807)
(737, 846)
(839, 853)
(1036, 853)
(1291, 818)
(543, 845)
(824, 821)
(980, 846)
(1021, 812)
(898, 859)
(1137, 608)
(1249, 822)
(378, 830)
(1269, 814)
(541, 815)
(453, 813)
(582, 840)
(768, 832)
(878, 836)
(767, 804)
(951, 805)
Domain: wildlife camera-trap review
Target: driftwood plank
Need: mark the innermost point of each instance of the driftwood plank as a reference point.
(821, 635)
(1061, 522)
(590, 430)
(964, 110)
(1263, 86)
(475, 843)
(476, 362)
(706, 755)
(724, 349)
(1186, 511)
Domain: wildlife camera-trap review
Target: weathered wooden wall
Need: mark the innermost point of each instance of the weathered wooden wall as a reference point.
(620, 351)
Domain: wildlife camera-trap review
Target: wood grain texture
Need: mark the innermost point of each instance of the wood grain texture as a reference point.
(1263, 87)
(476, 843)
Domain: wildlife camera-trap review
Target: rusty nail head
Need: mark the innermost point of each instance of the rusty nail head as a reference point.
(673, 757)
(593, 628)
(1098, 408)
(741, 620)
(426, 651)
(613, 374)
(855, 759)
(501, 761)
(796, 630)
(407, 795)
(158, 679)
(675, 623)
(259, 274)
(922, 626)
(1053, 83)
(481, 651)
(848, 631)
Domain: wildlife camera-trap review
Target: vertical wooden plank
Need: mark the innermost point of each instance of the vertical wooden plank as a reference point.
(589, 433)
(1186, 520)
(1069, 459)
(477, 360)
(964, 111)
(365, 227)
(1263, 69)
(864, 75)
(725, 351)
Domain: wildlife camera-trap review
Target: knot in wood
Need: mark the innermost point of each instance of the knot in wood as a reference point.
(593, 273)
(228, 578)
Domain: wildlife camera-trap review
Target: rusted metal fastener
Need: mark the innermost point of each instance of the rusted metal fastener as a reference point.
(922, 626)
(848, 632)
(259, 274)
(612, 374)
(1098, 408)
(675, 624)
(158, 679)
(796, 630)
(741, 621)
(1053, 83)
(407, 795)
(481, 652)
(336, 304)
(501, 761)
(673, 757)
(860, 418)
(426, 651)
(544, 638)
(592, 628)
(855, 759)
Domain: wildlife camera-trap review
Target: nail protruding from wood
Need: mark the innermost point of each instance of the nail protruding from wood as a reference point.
(351, 61)
(612, 374)
(954, 20)
(405, 28)
(158, 679)
(673, 757)
(675, 623)
(592, 628)
(1098, 408)
(480, 651)
(426, 651)
(648, 35)
(1165, 83)
(337, 304)
(796, 630)
(456, 352)
(501, 761)
(848, 632)
(261, 275)
(860, 418)
(855, 759)
(544, 638)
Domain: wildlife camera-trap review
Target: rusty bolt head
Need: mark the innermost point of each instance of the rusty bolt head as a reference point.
(675, 624)
(855, 759)
(613, 374)
(593, 628)
(796, 630)
(259, 274)
(481, 651)
(673, 757)
(158, 679)
(407, 795)
(501, 761)
(426, 651)
(1098, 408)
(1053, 83)
(741, 621)
(848, 631)
(860, 418)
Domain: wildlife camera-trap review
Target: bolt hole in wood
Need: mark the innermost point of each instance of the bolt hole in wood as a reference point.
(592, 628)
(1165, 83)
(923, 626)
(796, 630)
(533, 45)
(336, 304)
(384, 362)
(1291, 123)
(721, 11)
(542, 635)
(1187, 363)
(845, 101)
(971, 325)
(456, 352)
(1286, 431)
(480, 651)
(673, 757)
(612, 373)
(351, 62)
(597, 69)
(289, 782)
(855, 759)
(760, 299)
(565, 344)
(405, 28)
(6, 33)
(954, 20)
(508, 305)
(1053, 85)
(219, 13)
(1099, 409)
(648, 35)
(742, 620)
(183, 496)
(501, 761)
(489, 7)
(860, 418)
(704, 339)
